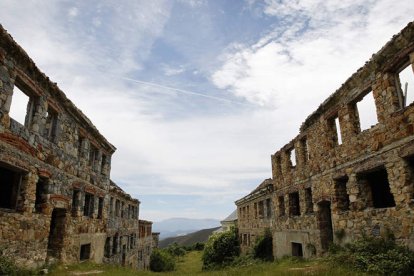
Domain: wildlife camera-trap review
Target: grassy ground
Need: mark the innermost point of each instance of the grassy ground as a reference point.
(191, 265)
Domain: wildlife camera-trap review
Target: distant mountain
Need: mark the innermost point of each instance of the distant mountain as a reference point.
(189, 239)
(181, 226)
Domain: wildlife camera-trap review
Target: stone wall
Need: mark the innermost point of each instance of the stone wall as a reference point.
(55, 189)
(350, 182)
(255, 214)
(145, 244)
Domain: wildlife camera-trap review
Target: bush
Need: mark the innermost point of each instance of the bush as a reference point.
(263, 248)
(7, 267)
(198, 246)
(161, 260)
(176, 250)
(221, 249)
(376, 255)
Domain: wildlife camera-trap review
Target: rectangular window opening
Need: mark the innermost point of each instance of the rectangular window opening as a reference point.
(261, 209)
(410, 162)
(308, 200)
(108, 247)
(406, 84)
(282, 210)
(103, 163)
(335, 130)
(88, 208)
(376, 183)
(117, 205)
(21, 106)
(367, 111)
(305, 149)
(10, 182)
(294, 204)
(51, 124)
(292, 157)
(268, 208)
(100, 207)
(40, 194)
(115, 245)
(297, 250)
(93, 155)
(342, 197)
(85, 252)
(255, 210)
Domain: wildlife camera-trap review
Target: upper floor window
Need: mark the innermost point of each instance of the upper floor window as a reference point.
(334, 130)
(405, 84)
(367, 111)
(50, 130)
(93, 154)
(22, 108)
(292, 156)
(88, 208)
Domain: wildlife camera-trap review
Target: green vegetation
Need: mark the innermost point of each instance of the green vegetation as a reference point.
(263, 248)
(221, 250)
(162, 260)
(375, 255)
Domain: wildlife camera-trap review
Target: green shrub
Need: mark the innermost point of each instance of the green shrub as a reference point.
(7, 267)
(221, 249)
(176, 250)
(198, 246)
(376, 255)
(263, 249)
(161, 260)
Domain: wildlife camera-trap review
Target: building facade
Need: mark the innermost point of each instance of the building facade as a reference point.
(145, 244)
(255, 215)
(56, 198)
(339, 179)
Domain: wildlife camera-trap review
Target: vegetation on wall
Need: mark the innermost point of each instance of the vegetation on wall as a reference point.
(263, 249)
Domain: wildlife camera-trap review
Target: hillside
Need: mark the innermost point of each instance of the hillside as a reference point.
(189, 239)
(181, 226)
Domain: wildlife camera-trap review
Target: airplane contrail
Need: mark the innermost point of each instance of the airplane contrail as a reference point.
(183, 91)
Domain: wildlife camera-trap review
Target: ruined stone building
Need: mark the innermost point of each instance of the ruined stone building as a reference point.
(56, 198)
(255, 214)
(338, 179)
(146, 243)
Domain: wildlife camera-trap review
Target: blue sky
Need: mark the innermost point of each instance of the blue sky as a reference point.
(196, 94)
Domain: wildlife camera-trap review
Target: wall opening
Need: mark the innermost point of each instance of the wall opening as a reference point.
(367, 111)
(89, 205)
(50, 130)
(406, 84)
(41, 190)
(341, 194)
(292, 157)
(100, 207)
(261, 209)
(335, 130)
(268, 207)
(308, 200)
(75, 201)
(115, 244)
(85, 252)
(107, 253)
(380, 195)
(282, 210)
(305, 149)
(56, 232)
(410, 162)
(10, 182)
(103, 163)
(294, 204)
(255, 210)
(325, 224)
(21, 106)
(93, 155)
(297, 250)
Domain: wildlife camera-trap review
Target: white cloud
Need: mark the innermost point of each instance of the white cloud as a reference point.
(172, 70)
(319, 46)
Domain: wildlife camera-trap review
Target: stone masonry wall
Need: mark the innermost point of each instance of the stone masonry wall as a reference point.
(358, 184)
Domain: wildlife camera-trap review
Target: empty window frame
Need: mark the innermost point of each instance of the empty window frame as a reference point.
(115, 244)
(248, 211)
(10, 182)
(108, 247)
(40, 194)
(100, 207)
(75, 200)
(335, 130)
(117, 206)
(308, 200)
(377, 188)
(50, 130)
(103, 163)
(22, 108)
(255, 210)
(268, 207)
(405, 84)
(93, 155)
(282, 210)
(89, 205)
(304, 149)
(122, 209)
(341, 194)
(294, 204)
(292, 156)
(111, 207)
(81, 142)
(85, 252)
(367, 111)
(261, 209)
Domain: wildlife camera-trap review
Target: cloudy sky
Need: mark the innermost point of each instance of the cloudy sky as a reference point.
(196, 95)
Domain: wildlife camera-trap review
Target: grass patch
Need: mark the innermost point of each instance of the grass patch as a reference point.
(191, 264)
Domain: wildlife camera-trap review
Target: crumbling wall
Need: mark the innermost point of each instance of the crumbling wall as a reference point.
(359, 182)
